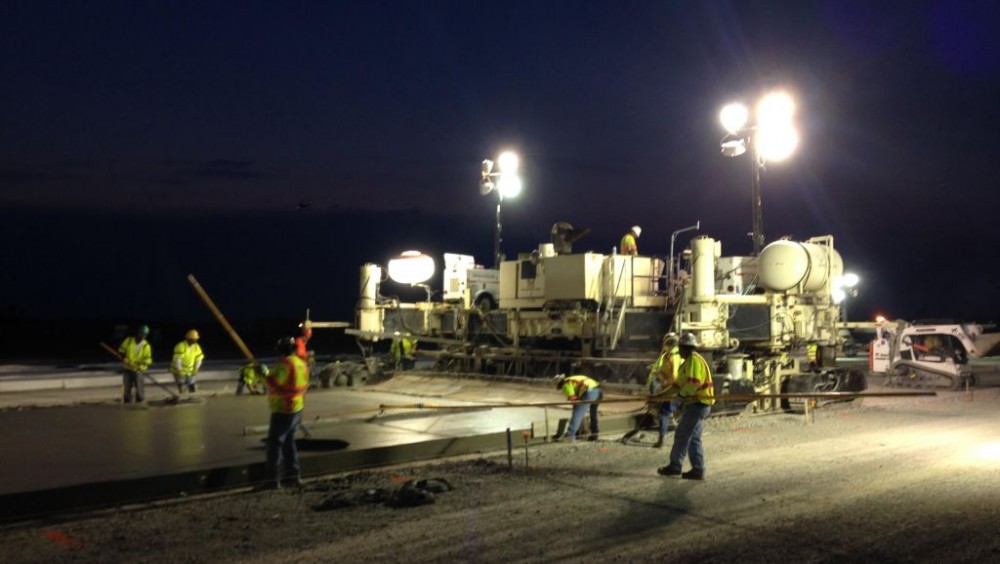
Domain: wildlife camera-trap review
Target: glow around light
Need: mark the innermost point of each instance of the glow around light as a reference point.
(849, 280)
(508, 162)
(411, 267)
(733, 117)
(838, 295)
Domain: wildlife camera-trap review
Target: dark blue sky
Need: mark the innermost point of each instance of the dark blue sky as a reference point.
(140, 141)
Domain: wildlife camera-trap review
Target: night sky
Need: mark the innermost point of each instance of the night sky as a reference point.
(272, 148)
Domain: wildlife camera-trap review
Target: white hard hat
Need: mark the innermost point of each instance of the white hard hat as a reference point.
(637, 230)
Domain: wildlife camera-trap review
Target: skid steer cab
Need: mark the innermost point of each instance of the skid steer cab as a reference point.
(925, 356)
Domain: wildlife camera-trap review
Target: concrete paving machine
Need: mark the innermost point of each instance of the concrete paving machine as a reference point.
(605, 314)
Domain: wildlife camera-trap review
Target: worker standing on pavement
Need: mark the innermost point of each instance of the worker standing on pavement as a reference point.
(628, 245)
(187, 362)
(137, 355)
(286, 383)
(694, 386)
(662, 374)
(661, 378)
(581, 389)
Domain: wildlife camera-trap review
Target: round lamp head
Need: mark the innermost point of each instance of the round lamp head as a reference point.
(733, 117)
(411, 267)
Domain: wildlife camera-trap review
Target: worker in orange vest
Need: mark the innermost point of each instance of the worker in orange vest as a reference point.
(286, 383)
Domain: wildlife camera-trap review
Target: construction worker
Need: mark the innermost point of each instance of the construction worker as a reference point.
(286, 383)
(302, 341)
(662, 374)
(661, 378)
(252, 378)
(812, 355)
(580, 389)
(694, 385)
(187, 362)
(628, 244)
(137, 355)
(403, 351)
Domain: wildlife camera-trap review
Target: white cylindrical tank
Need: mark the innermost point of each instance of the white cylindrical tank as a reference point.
(704, 251)
(371, 277)
(784, 265)
(547, 250)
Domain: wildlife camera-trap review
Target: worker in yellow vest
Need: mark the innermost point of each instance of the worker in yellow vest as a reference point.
(695, 387)
(812, 355)
(136, 356)
(628, 245)
(662, 375)
(187, 362)
(581, 389)
(404, 350)
(661, 378)
(286, 383)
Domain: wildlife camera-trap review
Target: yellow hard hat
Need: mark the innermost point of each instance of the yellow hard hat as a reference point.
(192, 335)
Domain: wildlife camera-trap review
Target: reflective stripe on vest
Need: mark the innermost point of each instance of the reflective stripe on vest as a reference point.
(290, 390)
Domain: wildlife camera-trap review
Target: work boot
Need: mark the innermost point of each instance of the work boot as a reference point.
(592, 438)
(668, 471)
(192, 388)
(694, 475)
(659, 443)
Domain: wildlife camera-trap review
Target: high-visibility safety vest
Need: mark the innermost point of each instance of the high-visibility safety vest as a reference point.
(286, 384)
(811, 352)
(628, 246)
(403, 348)
(187, 359)
(576, 386)
(665, 369)
(137, 355)
(694, 381)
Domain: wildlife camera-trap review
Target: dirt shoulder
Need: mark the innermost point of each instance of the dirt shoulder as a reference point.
(890, 481)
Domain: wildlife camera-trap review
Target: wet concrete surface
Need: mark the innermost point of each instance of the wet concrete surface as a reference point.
(63, 438)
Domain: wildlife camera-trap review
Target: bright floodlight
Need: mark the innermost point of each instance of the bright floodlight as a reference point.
(776, 108)
(849, 280)
(838, 295)
(777, 143)
(509, 185)
(508, 162)
(411, 267)
(733, 117)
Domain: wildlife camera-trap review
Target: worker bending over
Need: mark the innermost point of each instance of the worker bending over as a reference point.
(694, 385)
(187, 362)
(581, 389)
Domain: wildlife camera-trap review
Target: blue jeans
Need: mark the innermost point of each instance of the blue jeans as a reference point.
(133, 379)
(666, 412)
(687, 438)
(666, 409)
(580, 409)
(281, 445)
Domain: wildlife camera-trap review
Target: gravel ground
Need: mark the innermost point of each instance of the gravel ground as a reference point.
(892, 480)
